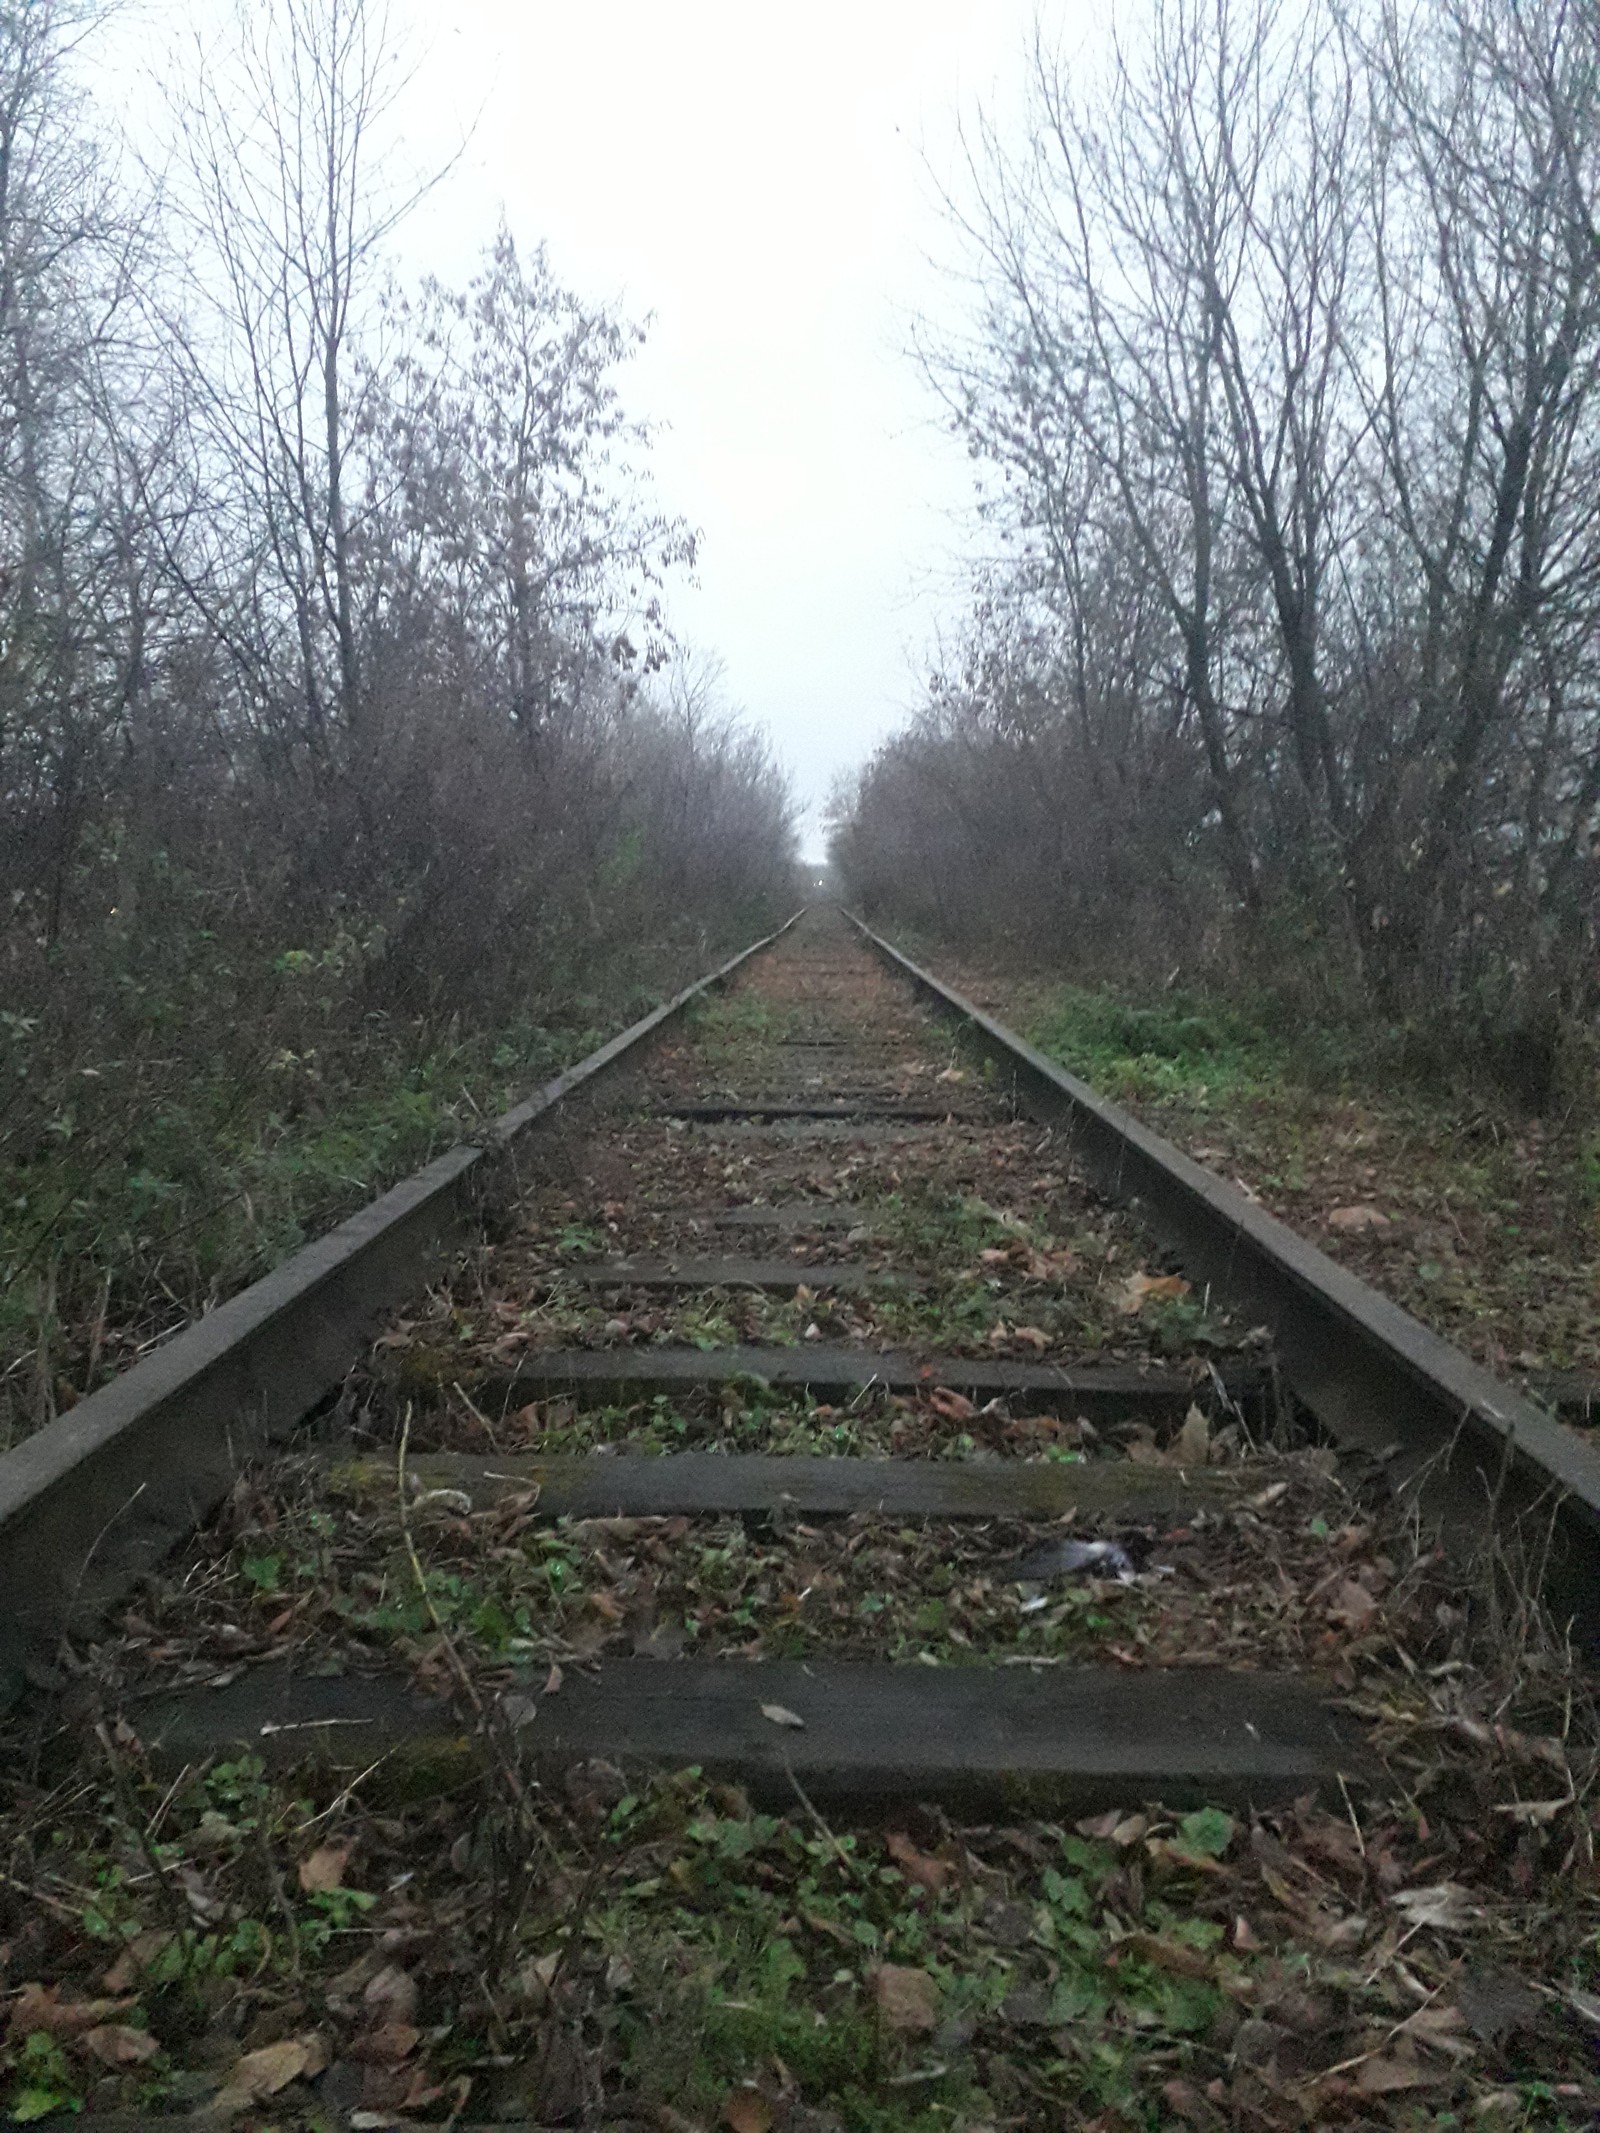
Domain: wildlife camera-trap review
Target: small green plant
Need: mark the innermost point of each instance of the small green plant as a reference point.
(1175, 1049)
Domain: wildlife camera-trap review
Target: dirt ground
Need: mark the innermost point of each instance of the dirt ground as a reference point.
(1483, 1223)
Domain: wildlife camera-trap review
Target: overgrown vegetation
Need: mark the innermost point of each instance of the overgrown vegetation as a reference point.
(350, 774)
(1481, 1220)
(1281, 370)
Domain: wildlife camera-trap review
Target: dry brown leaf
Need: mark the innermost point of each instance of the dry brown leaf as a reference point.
(1386, 2072)
(42, 2007)
(953, 1406)
(386, 2045)
(1355, 1221)
(1336, 1932)
(324, 1868)
(921, 1867)
(393, 1994)
(1033, 1335)
(115, 2044)
(263, 2073)
(1193, 1446)
(1140, 1289)
(1353, 1605)
(747, 2110)
(1443, 2028)
(135, 1959)
(1168, 1955)
(906, 1999)
(1168, 1854)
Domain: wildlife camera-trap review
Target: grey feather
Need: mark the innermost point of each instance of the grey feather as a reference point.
(1062, 1558)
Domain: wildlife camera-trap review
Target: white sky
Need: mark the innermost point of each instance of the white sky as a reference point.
(754, 176)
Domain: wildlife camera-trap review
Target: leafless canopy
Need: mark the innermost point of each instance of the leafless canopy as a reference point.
(1280, 368)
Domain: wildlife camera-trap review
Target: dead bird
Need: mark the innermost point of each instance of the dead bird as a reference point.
(1068, 1558)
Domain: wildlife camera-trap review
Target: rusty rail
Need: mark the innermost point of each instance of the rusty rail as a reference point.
(98, 1496)
(1475, 1453)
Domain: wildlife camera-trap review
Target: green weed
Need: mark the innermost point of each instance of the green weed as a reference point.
(1176, 1048)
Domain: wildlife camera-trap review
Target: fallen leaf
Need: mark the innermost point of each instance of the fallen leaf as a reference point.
(953, 1406)
(1387, 2072)
(1033, 1335)
(263, 2073)
(1169, 1955)
(1441, 2027)
(1168, 1854)
(41, 2007)
(324, 1869)
(906, 1999)
(386, 2045)
(1142, 1447)
(1336, 1932)
(747, 2110)
(1353, 1605)
(1193, 1446)
(1354, 1221)
(136, 1958)
(781, 1715)
(115, 2044)
(1273, 1493)
(1140, 1289)
(926, 1871)
(1446, 1906)
(393, 1993)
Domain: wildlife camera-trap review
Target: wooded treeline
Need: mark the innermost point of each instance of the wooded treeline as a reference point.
(1281, 369)
(339, 708)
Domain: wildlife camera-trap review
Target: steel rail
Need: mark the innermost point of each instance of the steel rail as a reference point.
(1478, 1458)
(93, 1500)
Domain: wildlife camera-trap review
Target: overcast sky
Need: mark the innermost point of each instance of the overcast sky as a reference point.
(760, 179)
(754, 176)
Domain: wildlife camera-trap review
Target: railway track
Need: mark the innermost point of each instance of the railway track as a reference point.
(1062, 1695)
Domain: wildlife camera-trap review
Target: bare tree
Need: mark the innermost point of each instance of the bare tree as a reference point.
(288, 191)
(1287, 320)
